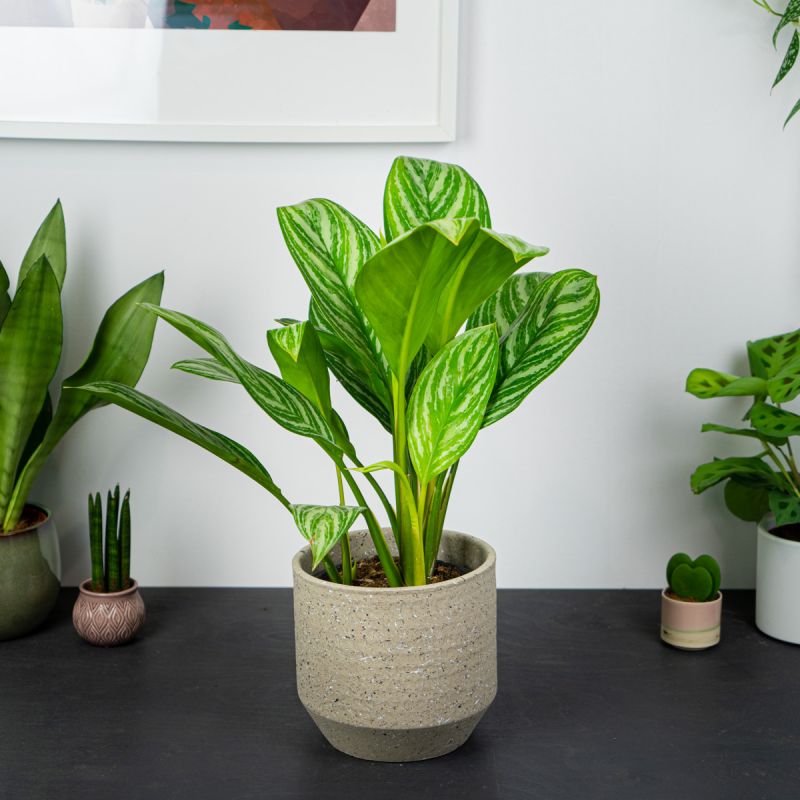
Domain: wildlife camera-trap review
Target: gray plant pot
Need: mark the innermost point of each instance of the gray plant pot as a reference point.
(398, 674)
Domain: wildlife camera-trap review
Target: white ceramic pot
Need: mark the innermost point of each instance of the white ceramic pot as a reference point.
(109, 13)
(777, 585)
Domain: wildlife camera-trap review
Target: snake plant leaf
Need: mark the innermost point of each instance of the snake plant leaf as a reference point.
(707, 383)
(419, 190)
(746, 432)
(771, 355)
(216, 443)
(30, 349)
(790, 14)
(772, 421)
(288, 407)
(749, 470)
(119, 353)
(449, 401)
(330, 246)
(745, 501)
(488, 263)
(555, 321)
(507, 303)
(50, 241)
(5, 299)
(788, 59)
(37, 434)
(323, 526)
(301, 360)
(785, 507)
(400, 286)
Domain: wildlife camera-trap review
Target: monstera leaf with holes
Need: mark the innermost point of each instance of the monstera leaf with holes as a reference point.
(32, 423)
(769, 480)
(429, 326)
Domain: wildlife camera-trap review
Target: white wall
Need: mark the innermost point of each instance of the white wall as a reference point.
(637, 140)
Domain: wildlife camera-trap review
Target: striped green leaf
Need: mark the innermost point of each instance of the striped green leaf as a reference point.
(30, 349)
(288, 407)
(788, 59)
(449, 401)
(785, 507)
(50, 241)
(790, 14)
(5, 299)
(419, 191)
(708, 383)
(400, 286)
(216, 443)
(323, 526)
(507, 303)
(119, 353)
(772, 421)
(555, 321)
(749, 470)
(206, 368)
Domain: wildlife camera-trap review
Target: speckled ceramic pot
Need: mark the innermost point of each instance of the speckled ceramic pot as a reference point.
(690, 626)
(398, 674)
(30, 573)
(108, 619)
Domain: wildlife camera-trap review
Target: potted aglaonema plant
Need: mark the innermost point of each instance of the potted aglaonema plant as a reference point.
(32, 423)
(109, 610)
(763, 487)
(429, 328)
(691, 605)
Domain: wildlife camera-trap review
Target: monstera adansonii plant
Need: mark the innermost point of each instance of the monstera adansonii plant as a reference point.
(31, 328)
(428, 326)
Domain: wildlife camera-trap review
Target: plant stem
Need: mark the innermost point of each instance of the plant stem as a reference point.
(330, 568)
(763, 4)
(347, 561)
(771, 453)
(385, 502)
(435, 538)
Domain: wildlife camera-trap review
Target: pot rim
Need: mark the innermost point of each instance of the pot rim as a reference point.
(108, 595)
(47, 517)
(764, 531)
(487, 564)
(694, 603)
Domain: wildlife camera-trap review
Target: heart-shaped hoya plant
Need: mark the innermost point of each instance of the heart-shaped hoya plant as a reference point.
(696, 580)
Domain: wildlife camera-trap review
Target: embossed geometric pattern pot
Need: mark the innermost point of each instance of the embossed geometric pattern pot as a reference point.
(398, 674)
(108, 619)
(690, 626)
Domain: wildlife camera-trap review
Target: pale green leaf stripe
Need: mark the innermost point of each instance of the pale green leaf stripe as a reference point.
(323, 526)
(507, 303)
(206, 368)
(221, 446)
(419, 190)
(449, 401)
(553, 324)
(288, 407)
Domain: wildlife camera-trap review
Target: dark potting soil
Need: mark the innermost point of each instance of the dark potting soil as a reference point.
(789, 532)
(370, 574)
(30, 516)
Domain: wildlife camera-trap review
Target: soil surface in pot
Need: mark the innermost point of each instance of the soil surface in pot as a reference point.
(673, 596)
(789, 532)
(371, 575)
(30, 516)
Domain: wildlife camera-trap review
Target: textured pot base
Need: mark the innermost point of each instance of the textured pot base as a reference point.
(417, 744)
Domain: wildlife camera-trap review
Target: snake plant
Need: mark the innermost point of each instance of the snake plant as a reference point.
(31, 422)
(428, 326)
(111, 568)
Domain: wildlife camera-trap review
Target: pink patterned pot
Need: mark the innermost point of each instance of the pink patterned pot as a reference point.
(690, 626)
(106, 619)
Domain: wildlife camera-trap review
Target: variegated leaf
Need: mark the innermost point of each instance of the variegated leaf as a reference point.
(323, 526)
(708, 383)
(50, 241)
(206, 368)
(553, 324)
(449, 401)
(749, 470)
(790, 14)
(788, 59)
(419, 191)
(785, 386)
(773, 421)
(748, 433)
(773, 354)
(507, 303)
(785, 507)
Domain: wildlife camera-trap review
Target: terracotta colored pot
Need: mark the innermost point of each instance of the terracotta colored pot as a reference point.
(398, 674)
(688, 625)
(108, 619)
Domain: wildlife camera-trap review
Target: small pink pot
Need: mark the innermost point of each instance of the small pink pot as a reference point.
(108, 619)
(690, 626)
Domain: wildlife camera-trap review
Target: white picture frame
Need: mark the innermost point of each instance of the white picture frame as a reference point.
(235, 86)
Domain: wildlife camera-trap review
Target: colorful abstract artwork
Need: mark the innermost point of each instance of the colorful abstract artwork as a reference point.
(275, 15)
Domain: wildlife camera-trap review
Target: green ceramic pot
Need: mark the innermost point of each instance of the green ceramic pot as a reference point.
(30, 576)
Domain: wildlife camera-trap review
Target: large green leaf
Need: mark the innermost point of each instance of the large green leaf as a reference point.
(772, 421)
(785, 385)
(30, 349)
(50, 241)
(555, 321)
(746, 501)
(485, 266)
(748, 433)
(449, 401)
(323, 526)
(771, 355)
(750, 470)
(419, 191)
(785, 507)
(119, 353)
(5, 299)
(221, 446)
(507, 303)
(400, 286)
(288, 407)
(708, 383)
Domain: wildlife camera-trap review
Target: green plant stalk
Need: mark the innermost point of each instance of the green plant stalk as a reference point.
(431, 536)
(330, 568)
(385, 502)
(763, 4)
(779, 464)
(112, 543)
(96, 542)
(347, 560)
(125, 542)
(432, 545)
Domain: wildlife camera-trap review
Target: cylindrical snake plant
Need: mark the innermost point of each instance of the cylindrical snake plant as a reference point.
(428, 326)
(111, 567)
(31, 329)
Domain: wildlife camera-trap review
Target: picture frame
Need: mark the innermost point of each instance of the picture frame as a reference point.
(234, 85)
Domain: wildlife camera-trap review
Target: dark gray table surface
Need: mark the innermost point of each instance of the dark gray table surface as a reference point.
(590, 705)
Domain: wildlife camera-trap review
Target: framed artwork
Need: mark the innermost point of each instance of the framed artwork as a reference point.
(229, 70)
